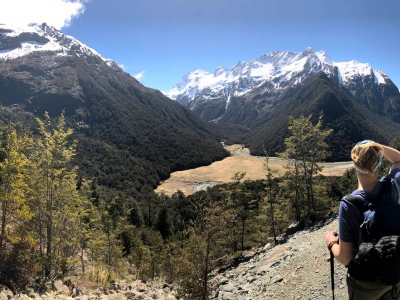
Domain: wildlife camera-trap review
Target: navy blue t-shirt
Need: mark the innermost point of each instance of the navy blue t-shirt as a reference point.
(350, 217)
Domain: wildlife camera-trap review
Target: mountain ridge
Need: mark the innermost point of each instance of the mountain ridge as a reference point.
(19, 41)
(273, 77)
(116, 119)
(350, 120)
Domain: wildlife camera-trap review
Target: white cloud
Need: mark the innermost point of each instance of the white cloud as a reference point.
(57, 13)
(139, 76)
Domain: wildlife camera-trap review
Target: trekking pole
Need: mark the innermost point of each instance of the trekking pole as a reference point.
(332, 275)
(332, 259)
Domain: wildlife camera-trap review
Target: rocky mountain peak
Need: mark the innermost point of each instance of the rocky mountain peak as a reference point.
(308, 51)
(18, 41)
(264, 82)
(273, 67)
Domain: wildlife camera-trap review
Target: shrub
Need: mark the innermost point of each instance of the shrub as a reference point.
(20, 265)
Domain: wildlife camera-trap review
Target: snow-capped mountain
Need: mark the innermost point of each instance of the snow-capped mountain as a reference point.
(263, 83)
(48, 63)
(20, 41)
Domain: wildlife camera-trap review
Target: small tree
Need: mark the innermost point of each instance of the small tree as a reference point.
(200, 251)
(18, 257)
(164, 224)
(15, 211)
(271, 193)
(56, 202)
(304, 149)
(244, 207)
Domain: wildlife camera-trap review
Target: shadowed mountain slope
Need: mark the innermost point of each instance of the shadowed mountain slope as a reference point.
(129, 135)
(350, 120)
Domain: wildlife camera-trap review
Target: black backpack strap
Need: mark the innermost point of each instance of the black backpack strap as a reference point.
(356, 270)
(366, 209)
(358, 202)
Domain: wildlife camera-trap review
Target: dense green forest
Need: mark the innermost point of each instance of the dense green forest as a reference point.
(129, 136)
(53, 220)
(83, 145)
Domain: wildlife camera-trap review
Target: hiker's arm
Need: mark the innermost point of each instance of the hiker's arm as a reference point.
(343, 251)
(391, 154)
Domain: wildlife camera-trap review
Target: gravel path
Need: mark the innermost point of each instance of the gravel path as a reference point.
(297, 269)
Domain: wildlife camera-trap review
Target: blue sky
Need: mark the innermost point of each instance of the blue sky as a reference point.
(164, 39)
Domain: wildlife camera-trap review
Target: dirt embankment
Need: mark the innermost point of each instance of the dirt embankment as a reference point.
(190, 181)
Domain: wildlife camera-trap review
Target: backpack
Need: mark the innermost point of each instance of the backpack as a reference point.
(378, 255)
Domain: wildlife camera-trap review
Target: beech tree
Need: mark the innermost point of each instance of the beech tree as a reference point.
(56, 201)
(164, 224)
(200, 251)
(15, 211)
(47, 218)
(305, 148)
(270, 195)
(244, 206)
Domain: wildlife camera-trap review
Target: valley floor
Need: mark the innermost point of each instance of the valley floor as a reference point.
(190, 181)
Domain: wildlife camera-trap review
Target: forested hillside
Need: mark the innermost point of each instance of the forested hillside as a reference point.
(63, 222)
(130, 136)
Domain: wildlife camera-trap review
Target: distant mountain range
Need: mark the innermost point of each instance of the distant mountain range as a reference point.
(130, 137)
(356, 100)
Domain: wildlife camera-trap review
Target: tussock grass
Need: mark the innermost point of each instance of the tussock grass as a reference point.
(223, 171)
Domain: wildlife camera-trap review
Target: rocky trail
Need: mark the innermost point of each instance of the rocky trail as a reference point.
(296, 269)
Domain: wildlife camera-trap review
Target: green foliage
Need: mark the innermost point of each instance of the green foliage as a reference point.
(243, 205)
(271, 192)
(338, 187)
(164, 225)
(13, 190)
(147, 252)
(49, 222)
(305, 148)
(57, 203)
(65, 219)
(200, 250)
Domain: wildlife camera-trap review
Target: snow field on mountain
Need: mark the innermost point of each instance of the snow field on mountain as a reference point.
(276, 68)
(51, 40)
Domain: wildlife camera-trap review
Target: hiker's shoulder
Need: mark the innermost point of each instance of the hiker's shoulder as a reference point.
(352, 205)
(394, 175)
(356, 198)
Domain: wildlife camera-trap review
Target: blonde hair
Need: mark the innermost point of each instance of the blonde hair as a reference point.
(367, 158)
